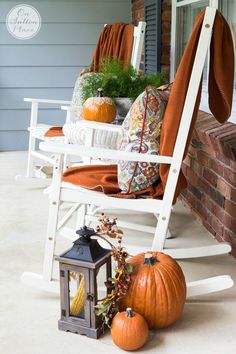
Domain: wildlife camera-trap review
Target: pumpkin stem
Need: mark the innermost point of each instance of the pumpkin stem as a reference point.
(100, 92)
(129, 312)
(149, 259)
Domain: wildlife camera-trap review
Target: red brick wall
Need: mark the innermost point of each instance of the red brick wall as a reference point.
(137, 11)
(165, 36)
(138, 15)
(210, 169)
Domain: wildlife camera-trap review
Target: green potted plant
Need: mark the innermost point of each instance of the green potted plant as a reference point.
(121, 83)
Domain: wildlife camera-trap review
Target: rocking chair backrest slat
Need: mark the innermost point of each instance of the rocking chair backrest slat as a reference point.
(190, 100)
(139, 33)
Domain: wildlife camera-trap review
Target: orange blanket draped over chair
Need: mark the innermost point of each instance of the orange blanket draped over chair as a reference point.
(115, 41)
(221, 73)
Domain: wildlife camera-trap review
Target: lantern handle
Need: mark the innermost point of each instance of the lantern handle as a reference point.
(86, 233)
(104, 238)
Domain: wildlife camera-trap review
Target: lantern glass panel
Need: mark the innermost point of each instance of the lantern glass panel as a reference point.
(77, 294)
(101, 274)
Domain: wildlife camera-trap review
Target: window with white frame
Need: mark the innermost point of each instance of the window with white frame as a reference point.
(184, 13)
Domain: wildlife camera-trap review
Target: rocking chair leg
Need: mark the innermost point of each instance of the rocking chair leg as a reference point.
(32, 140)
(161, 232)
(66, 163)
(30, 161)
(45, 281)
(52, 220)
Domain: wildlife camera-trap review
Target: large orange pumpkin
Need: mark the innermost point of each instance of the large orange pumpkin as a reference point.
(157, 290)
(129, 330)
(99, 109)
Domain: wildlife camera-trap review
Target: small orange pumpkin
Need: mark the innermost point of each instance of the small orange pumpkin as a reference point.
(99, 109)
(129, 330)
(157, 290)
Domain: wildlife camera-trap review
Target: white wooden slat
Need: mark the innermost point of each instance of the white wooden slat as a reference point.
(96, 198)
(46, 100)
(139, 33)
(86, 151)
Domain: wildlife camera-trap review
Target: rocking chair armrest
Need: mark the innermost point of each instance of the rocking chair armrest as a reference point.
(68, 108)
(42, 100)
(94, 152)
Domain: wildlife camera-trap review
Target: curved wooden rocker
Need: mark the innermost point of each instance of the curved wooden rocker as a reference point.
(194, 288)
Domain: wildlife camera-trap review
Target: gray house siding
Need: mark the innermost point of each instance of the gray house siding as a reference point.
(47, 65)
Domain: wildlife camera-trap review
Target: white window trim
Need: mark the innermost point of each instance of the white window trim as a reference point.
(204, 101)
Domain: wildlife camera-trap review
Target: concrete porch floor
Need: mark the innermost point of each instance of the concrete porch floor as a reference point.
(28, 318)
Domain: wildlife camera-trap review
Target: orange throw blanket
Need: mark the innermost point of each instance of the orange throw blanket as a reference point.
(220, 101)
(53, 132)
(115, 41)
(101, 178)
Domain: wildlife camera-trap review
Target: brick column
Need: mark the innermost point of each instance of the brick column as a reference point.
(210, 168)
(165, 36)
(137, 11)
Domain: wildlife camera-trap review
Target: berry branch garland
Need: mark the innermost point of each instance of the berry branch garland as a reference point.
(119, 285)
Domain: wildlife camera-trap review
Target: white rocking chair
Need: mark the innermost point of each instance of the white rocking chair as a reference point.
(37, 131)
(82, 198)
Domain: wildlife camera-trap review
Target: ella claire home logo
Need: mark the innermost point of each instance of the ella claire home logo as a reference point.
(23, 21)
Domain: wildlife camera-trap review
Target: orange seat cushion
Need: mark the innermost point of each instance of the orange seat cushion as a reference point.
(54, 131)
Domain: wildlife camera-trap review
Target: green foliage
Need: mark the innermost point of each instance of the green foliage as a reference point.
(119, 81)
(90, 84)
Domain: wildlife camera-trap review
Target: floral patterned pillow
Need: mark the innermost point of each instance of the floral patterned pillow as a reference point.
(141, 131)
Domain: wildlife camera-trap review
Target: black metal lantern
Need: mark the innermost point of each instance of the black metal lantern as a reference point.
(79, 270)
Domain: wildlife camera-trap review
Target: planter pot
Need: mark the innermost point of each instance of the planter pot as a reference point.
(123, 105)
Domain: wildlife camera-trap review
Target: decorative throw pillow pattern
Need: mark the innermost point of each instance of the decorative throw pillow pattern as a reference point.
(141, 131)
